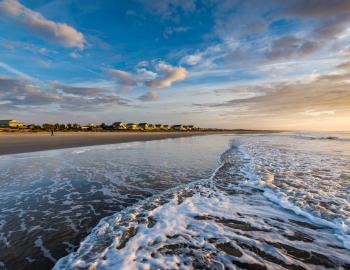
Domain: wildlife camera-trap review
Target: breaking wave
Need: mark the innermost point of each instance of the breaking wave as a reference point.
(335, 137)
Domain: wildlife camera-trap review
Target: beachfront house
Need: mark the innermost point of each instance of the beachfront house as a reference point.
(159, 126)
(189, 127)
(166, 127)
(132, 126)
(11, 124)
(119, 125)
(144, 126)
(178, 127)
(89, 127)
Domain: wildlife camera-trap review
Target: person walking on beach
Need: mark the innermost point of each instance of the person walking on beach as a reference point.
(52, 134)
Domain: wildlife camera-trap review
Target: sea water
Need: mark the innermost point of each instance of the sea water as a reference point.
(273, 201)
(50, 200)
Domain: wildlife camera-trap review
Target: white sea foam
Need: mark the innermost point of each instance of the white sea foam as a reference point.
(269, 204)
(201, 223)
(80, 151)
(341, 229)
(39, 243)
(337, 136)
(275, 155)
(242, 216)
(62, 194)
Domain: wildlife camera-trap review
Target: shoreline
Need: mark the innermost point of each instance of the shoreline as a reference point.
(16, 143)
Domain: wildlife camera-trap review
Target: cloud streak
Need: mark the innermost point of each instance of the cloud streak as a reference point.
(61, 33)
(125, 79)
(149, 96)
(16, 93)
(324, 95)
(317, 8)
(291, 47)
(168, 9)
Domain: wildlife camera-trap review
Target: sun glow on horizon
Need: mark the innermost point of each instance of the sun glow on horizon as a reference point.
(226, 64)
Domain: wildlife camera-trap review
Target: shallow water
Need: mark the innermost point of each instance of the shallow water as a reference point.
(51, 200)
(274, 202)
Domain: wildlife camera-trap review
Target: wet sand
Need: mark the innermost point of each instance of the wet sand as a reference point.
(14, 143)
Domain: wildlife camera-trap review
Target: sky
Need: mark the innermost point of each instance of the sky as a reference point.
(213, 63)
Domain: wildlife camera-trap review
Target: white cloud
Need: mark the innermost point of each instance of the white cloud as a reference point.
(44, 63)
(125, 79)
(145, 74)
(322, 96)
(192, 59)
(60, 33)
(17, 93)
(164, 76)
(142, 64)
(317, 113)
(15, 71)
(168, 9)
(74, 55)
(171, 74)
(171, 30)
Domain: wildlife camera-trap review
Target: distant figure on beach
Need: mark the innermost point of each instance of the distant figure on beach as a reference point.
(52, 134)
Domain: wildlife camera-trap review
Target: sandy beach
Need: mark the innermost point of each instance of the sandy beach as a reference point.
(14, 143)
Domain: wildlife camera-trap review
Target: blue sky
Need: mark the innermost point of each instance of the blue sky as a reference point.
(235, 64)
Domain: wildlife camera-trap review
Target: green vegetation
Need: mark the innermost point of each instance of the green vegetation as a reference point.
(116, 126)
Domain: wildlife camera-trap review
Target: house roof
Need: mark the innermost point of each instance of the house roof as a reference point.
(6, 121)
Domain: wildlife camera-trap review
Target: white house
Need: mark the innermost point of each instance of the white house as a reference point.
(11, 124)
(132, 126)
(119, 125)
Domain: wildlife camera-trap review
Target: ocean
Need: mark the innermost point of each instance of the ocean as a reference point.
(268, 201)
